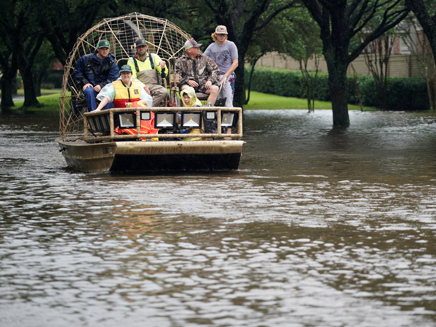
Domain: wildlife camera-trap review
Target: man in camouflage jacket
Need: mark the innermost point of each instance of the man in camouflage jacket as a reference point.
(198, 71)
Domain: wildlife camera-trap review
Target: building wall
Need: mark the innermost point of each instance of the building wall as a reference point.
(401, 65)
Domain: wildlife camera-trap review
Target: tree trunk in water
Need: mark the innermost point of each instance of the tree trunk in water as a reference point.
(239, 98)
(29, 89)
(8, 81)
(339, 93)
(7, 88)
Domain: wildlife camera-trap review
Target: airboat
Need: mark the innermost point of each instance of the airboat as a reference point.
(88, 141)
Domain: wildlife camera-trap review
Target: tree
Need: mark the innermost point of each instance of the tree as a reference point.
(293, 33)
(9, 67)
(303, 44)
(23, 39)
(419, 47)
(254, 53)
(274, 37)
(26, 53)
(181, 13)
(377, 55)
(340, 21)
(426, 15)
(75, 19)
(44, 60)
(25, 25)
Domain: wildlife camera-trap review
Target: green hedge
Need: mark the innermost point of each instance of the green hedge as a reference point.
(405, 94)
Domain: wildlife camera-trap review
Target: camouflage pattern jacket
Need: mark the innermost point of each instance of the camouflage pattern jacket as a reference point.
(201, 69)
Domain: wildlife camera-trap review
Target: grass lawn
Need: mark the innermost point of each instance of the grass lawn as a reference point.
(50, 102)
(20, 92)
(269, 101)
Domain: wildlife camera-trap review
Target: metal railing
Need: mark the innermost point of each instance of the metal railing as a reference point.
(100, 125)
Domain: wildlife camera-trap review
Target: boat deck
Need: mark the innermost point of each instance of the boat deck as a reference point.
(101, 149)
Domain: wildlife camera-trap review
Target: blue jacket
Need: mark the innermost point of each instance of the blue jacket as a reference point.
(90, 69)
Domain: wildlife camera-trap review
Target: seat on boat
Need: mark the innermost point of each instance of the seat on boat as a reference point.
(78, 105)
(220, 102)
(201, 96)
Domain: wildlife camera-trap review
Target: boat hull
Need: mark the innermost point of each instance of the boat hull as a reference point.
(152, 156)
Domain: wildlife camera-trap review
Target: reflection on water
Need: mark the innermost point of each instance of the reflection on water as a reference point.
(319, 227)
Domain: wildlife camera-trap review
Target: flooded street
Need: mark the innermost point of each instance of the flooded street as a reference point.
(319, 227)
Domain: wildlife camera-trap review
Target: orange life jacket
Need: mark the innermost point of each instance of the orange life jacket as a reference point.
(132, 94)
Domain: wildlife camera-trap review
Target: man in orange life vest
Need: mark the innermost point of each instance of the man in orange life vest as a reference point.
(127, 93)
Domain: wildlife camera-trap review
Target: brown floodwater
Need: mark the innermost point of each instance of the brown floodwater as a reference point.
(319, 227)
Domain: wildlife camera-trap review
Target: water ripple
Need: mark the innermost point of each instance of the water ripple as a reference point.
(318, 228)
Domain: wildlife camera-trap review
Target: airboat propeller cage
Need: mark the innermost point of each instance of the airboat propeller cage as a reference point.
(162, 37)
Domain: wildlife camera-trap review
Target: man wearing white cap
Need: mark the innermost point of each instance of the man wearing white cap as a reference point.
(198, 71)
(225, 54)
